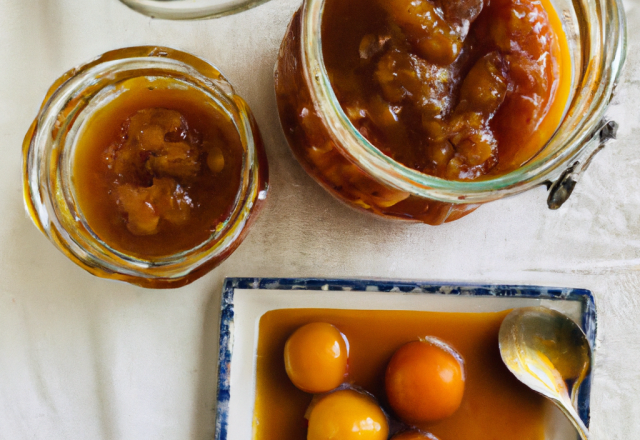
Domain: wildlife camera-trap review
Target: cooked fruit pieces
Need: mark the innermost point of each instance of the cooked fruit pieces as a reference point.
(436, 30)
(144, 207)
(482, 93)
(155, 160)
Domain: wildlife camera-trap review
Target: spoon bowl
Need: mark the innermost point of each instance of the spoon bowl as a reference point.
(548, 352)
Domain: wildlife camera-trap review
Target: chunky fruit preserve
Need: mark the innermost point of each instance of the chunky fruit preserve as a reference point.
(455, 89)
(157, 169)
(379, 97)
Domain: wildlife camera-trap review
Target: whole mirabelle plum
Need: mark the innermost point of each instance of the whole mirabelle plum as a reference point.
(315, 357)
(424, 382)
(347, 415)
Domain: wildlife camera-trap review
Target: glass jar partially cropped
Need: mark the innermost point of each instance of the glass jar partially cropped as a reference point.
(343, 159)
(190, 9)
(145, 166)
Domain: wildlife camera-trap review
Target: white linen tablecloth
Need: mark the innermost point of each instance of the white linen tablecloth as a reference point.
(85, 358)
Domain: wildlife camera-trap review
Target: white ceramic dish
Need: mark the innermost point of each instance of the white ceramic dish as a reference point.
(245, 301)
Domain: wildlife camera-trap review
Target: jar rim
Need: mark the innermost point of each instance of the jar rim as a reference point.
(191, 9)
(49, 193)
(606, 46)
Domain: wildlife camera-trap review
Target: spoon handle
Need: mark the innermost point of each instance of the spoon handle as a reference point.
(575, 419)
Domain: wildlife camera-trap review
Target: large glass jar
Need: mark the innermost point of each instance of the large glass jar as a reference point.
(50, 192)
(332, 150)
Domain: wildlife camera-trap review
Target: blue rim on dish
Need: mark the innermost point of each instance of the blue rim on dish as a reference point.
(589, 317)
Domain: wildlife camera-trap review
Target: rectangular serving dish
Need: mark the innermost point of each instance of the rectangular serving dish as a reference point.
(246, 300)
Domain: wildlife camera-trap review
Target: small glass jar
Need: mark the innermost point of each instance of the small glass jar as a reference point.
(346, 164)
(190, 9)
(49, 151)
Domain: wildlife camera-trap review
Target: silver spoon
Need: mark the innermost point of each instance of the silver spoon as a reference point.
(550, 354)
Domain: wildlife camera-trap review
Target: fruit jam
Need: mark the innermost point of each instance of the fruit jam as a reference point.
(457, 90)
(157, 169)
